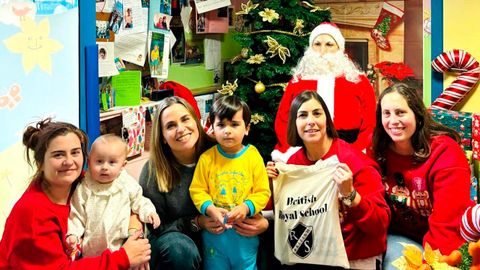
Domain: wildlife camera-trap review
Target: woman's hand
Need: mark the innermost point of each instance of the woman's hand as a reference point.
(207, 223)
(137, 249)
(272, 172)
(251, 226)
(344, 178)
(145, 266)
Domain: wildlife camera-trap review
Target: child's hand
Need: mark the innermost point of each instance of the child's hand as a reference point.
(272, 172)
(72, 241)
(154, 219)
(238, 213)
(73, 248)
(217, 214)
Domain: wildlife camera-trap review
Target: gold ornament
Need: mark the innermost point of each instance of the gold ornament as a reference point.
(256, 59)
(243, 54)
(228, 88)
(298, 27)
(256, 118)
(246, 8)
(275, 48)
(314, 8)
(268, 15)
(259, 87)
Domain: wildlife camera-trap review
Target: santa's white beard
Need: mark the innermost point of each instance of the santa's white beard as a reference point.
(312, 65)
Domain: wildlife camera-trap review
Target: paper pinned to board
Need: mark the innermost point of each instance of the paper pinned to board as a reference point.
(127, 86)
(106, 60)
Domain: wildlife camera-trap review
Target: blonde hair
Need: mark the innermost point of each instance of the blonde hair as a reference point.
(111, 138)
(163, 165)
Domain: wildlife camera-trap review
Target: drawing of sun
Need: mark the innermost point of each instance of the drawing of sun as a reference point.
(34, 44)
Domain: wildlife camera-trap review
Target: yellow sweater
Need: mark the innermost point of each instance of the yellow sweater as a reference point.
(229, 180)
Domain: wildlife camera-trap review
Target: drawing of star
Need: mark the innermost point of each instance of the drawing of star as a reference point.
(34, 44)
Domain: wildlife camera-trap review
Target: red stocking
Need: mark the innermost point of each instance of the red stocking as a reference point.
(389, 17)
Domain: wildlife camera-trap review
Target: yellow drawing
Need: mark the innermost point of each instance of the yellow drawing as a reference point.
(35, 45)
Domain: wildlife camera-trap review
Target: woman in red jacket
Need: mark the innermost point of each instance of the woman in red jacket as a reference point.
(426, 173)
(365, 213)
(37, 225)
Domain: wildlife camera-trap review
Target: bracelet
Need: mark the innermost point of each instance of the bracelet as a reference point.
(134, 231)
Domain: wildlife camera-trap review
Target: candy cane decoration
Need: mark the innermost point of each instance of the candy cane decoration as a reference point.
(461, 86)
(470, 227)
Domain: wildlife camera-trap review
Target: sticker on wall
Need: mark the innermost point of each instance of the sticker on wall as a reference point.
(11, 98)
(13, 12)
(35, 45)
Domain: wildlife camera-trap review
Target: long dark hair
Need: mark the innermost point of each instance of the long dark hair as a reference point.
(293, 138)
(426, 127)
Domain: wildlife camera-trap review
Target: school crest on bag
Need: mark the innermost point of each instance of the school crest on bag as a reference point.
(300, 240)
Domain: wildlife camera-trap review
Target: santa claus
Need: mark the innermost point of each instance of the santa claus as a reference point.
(349, 96)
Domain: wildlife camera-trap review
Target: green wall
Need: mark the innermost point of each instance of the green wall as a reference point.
(194, 76)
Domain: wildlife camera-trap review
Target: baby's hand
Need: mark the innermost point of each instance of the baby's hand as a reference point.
(154, 219)
(238, 213)
(72, 241)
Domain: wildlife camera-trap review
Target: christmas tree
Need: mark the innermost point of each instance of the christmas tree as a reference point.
(274, 37)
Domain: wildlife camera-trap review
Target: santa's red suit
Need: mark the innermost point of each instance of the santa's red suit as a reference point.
(353, 106)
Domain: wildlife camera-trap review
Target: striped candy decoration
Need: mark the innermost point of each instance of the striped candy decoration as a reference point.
(470, 227)
(457, 59)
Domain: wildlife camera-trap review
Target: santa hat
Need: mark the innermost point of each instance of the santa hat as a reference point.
(329, 29)
(470, 228)
(180, 90)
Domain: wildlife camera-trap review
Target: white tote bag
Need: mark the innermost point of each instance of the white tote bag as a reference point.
(307, 225)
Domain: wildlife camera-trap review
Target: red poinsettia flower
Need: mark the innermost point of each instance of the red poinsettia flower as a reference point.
(395, 71)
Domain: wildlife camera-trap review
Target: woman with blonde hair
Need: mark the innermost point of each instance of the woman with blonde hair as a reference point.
(176, 144)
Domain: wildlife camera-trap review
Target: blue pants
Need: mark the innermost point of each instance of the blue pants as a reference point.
(174, 250)
(395, 250)
(229, 250)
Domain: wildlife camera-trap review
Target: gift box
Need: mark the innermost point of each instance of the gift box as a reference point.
(459, 121)
(473, 177)
(476, 136)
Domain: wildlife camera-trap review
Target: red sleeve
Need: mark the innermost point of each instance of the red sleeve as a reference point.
(372, 214)
(368, 102)
(281, 119)
(450, 179)
(31, 242)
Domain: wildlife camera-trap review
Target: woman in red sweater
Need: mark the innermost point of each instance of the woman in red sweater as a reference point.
(37, 225)
(426, 173)
(365, 213)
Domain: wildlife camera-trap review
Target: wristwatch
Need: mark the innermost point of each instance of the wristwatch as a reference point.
(194, 224)
(348, 200)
